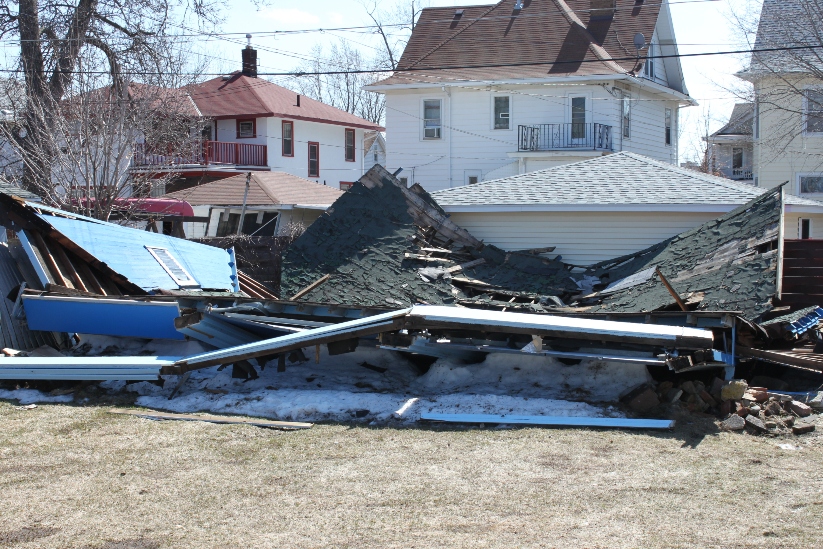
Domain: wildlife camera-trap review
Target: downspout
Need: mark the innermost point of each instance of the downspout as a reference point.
(449, 95)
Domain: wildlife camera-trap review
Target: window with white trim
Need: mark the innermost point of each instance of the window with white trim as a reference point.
(810, 183)
(432, 120)
(648, 67)
(502, 112)
(813, 110)
(175, 270)
(627, 115)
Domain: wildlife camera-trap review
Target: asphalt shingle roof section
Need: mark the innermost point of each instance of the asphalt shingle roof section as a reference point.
(740, 122)
(265, 188)
(622, 178)
(242, 96)
(788, 23)
(544, 38)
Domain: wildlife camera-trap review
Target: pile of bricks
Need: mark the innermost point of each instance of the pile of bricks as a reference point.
(743, 408)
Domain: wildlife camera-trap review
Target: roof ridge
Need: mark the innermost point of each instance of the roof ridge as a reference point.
(598, 50)
(708, 178)
(265, 189)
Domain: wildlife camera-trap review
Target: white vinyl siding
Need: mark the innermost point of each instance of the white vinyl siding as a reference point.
(476, 145)
(584, 238)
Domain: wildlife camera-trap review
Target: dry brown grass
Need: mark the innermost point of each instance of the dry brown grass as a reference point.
(82, 478)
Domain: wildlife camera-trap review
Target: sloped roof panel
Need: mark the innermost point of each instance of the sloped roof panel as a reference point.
(617, 179)
(265, 188)
(544, 38)
(243, 96)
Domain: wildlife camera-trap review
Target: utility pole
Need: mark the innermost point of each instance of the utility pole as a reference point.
(245, 198)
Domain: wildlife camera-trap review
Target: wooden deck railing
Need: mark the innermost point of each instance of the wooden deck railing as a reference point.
(204, 153)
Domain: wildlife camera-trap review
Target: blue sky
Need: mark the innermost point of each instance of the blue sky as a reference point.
(700, 26)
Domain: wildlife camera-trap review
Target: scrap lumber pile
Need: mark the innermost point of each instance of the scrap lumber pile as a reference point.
(383, 244)
(727, 264)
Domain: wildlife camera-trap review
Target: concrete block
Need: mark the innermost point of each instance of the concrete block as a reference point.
(733, 423)
(755, 423)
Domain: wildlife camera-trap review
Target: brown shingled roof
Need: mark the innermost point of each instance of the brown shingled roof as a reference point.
(544, 38)
(241, 95)
(265, 188)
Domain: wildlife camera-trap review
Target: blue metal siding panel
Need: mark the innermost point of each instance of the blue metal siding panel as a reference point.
(102, 316)
(123, 250)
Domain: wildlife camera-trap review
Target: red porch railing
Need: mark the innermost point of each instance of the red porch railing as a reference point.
(202, 153)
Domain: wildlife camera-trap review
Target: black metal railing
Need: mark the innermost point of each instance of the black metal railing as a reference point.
(552, 137)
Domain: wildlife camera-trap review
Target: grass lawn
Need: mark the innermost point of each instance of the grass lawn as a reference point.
(79, 477)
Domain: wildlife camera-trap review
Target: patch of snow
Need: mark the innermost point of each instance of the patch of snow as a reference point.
(340, 388)
(28, 396)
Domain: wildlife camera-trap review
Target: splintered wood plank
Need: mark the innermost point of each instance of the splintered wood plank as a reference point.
(310, 287)
(209, 418)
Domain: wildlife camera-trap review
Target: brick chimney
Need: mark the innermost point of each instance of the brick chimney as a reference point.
(249, 59)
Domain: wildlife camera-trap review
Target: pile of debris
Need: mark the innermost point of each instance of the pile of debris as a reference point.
(754, 409)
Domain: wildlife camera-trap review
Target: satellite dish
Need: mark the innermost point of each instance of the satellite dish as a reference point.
(639, 41)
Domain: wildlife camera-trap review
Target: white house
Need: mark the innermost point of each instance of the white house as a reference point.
(256, 125)
(483, 92)
(785, 73)
(731, 149)
(606, 207)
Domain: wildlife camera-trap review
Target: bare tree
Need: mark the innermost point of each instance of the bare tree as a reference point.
(343, 89)
(117, 37)
(697, 151)
(785, 74)
(393, 24)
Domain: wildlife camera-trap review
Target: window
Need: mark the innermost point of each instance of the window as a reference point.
(804, 229)
(431, 119)
(648, 68)
(627, 115)
(470, 177)
(814, 111)
(176, 271)
(578, 118)
(314, 159)
(375, 157)
(349, 145)
(246, 128)
(502, 112)
(346, 185)
(737, 158)
(668, 131)
(288, 138)
(404, 181)
(811, 183)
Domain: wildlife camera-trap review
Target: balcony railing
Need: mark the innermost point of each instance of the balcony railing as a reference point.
(552, 137)
(203, 153)
(741, 173)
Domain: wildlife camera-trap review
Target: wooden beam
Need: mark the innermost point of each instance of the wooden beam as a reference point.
(152, 414)
(671, 290)
(49, 259)
(468, 265)
(322, 280)
(73, 274)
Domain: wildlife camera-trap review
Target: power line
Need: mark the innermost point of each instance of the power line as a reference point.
(473, 66)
